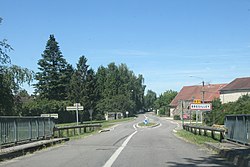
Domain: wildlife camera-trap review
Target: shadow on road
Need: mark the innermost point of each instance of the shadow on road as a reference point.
(203, 161)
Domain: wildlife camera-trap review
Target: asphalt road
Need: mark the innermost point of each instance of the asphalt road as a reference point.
(125, 145)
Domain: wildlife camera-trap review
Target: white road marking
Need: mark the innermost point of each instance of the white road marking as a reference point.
(135, 126)
(118, 151)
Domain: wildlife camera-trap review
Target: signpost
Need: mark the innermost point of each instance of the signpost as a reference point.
(76, 107)
(203, 106)
(200, 107)
(50, 115)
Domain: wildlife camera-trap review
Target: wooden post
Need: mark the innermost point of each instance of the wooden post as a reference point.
(212, 133)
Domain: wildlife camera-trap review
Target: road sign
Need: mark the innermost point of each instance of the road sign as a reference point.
(73, 108)
(50, 115)
(145, 121)
(197, 101)
(77, 104)
(203, 106)
(76, 107)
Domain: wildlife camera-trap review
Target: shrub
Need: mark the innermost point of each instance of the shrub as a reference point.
(177, 117)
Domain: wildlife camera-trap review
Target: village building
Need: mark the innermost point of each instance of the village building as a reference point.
(235, 89)
(190, 93)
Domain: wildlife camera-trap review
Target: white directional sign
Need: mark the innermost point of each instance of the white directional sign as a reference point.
(73, 108)
(202, 106)
(76, 107)
(50, 115)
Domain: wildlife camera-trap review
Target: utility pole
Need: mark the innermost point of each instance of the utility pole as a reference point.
(182, 113)
(203, 92)
(203, 96)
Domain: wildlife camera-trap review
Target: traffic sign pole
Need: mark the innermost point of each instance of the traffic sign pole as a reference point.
(77, 114)
(76, 107)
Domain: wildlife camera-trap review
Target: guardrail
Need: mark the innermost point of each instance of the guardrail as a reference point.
(204, 130)
(14, 130)
(75, 130)
(238, 128)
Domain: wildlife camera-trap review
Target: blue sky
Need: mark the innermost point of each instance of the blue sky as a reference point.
(165, 41)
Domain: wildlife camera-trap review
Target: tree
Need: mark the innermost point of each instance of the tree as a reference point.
(119, 90)
(11, 79)
(149, 100)
(163, 101)
(55, 73)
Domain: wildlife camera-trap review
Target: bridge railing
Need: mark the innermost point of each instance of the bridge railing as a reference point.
(206, 131)
(68, 131)
(14, 130)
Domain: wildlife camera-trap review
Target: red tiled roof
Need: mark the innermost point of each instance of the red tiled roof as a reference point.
(238, 84)
(195, 92)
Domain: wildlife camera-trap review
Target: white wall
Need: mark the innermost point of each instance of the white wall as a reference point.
(231, 97)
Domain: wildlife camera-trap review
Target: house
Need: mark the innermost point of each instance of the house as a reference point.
(235, 89)
(189, 93)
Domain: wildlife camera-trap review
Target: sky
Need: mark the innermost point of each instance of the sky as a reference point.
(167, 41)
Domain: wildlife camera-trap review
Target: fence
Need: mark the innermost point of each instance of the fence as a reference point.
(20, 129)
(238, 128)
(68, 130)
(204, 130)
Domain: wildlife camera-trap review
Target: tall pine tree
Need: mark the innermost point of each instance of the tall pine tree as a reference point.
(53, 78)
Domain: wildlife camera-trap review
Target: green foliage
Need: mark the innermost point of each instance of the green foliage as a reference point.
(149, 100)
(163, 101)
(177, 117)
(119, 90)
(11, 79)
(217, 115)
(197, 139)
(45, 106)
(55, 73)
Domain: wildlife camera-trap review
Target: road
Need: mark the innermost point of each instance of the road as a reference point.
(125, 145)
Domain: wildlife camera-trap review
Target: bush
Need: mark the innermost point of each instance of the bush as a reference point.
(177, 117)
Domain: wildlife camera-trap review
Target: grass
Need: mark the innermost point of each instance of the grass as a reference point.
(147, 125)
(197, 139)
(102, 122)
(105, 124)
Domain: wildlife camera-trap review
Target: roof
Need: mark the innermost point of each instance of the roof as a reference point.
(189, 93)
(238, 84)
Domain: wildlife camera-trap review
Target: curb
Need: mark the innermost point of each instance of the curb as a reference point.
(20, 150)
(238, 156)
(153, 126)
(104, 130)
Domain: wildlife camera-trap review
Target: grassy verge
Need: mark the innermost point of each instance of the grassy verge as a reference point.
(147, 125)
(105, 124)
(197, 139)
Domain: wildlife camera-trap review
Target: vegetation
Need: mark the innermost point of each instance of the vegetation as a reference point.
(197, 139)
(217, 115)
(114, 88)
(11, 79)
(147, 125)
(177, 117)
(162, 103)
(149, 100)
(105, 124)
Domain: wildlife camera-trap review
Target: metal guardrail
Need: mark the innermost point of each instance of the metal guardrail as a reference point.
(14, 130)
(238, 128)
(75, 130)
(204, 130)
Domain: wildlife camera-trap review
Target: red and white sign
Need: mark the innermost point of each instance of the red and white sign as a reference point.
(203, 106)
